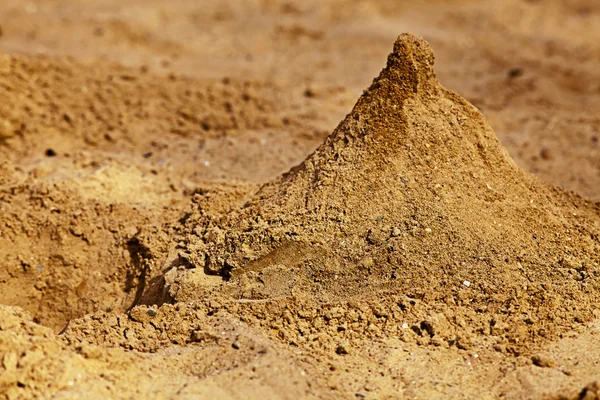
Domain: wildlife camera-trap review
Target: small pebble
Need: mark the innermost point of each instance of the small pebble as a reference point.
(543, 361)
(310, 92)
(515, 72)
(467, 283)
(464, 342)
(342, 349)
(500, 348)
(546, 154)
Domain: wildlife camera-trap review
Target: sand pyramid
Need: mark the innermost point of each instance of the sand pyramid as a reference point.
(412, 193)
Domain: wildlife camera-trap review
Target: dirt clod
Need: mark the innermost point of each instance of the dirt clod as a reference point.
(543, 361)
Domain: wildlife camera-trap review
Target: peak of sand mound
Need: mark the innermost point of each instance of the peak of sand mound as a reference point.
(411, 195)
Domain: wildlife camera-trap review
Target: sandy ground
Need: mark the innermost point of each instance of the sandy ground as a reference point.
(139, 247)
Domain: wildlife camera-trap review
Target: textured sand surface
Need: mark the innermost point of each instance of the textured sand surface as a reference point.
(235, 200)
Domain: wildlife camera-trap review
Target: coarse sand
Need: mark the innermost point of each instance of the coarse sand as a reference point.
(180, 217)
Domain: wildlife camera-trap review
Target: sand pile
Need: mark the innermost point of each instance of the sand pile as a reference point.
(412, 195)
(408, 239)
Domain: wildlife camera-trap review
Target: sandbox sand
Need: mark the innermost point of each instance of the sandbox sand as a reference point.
(299, 199)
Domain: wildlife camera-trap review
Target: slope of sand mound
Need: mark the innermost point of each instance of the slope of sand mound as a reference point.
(412, 195)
